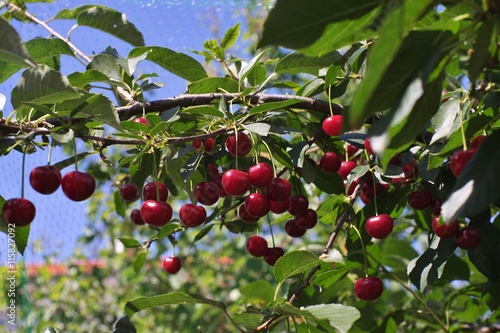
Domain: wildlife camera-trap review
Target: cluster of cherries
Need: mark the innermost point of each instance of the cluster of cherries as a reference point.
(46, 179)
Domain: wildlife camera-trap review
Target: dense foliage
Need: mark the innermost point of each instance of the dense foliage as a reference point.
(377, 120)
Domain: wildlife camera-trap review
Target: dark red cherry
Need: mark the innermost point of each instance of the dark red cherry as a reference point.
(330, 162)
(293, 230)
(368, 288)
(45, 179)
(273, 254)
(298, 204)
(257, 246)
(172, 265)
(257, 205)
(156, 213)
(307, 220)
(192, 215)
(379, 226)
(78, 186)
(135, 217)
(129, 192)
(468, 238)
(207, 193)
(245, 217)
(444, 230)
(280, 189)
(18, 211)
(235, 182)
(279, 207)
(243, 145)
(261, 175)
(149, 192)
(420, 199)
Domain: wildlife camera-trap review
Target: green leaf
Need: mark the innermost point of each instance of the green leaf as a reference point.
(204, 111)
(71, 160)
(203, 232)
(213, 85)
(249, 67)
(230, 36)
(258, 291)
(477, 186)
(107, 65)
(481, 55)
(179, 64)
(297, 63)
(248, 320)
(485, 256)
(445, 121)
(120, 205)
(273, 106)
(21, 237)
(293, 263)
(340, 317)
(44, 86)
(261, 129)
(43, 50)
(168, 230)
(12, 48)
(173, 298)
(139, 261)
(129, 242)
(83, 79)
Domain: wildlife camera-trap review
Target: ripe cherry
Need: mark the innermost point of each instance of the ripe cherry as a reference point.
(368, 146)
(379, 226)
(332, 125)
(436, 206)
(257, 205)
(298, 204)
(257, 246)
(351, 150)
(477, 141)
(273, 254)
(207, 193)
(78, 186)
(245, 217)
(307, 220)
(459, 159)
(330, 162)
(420, 200)
(261, 175)
(293, 230)
(149, 191)
(172, 265)
(345, 168)
(468, 238)
(279, 207)
(45, 179)
(235, 182)
(444, 230)
(280, 189)
(192, 215)
(156, 213)
(370, 190)
(141, 120)
(243, 146)
(18, 211)
(368, 288)
(129, 192)
(135, 217)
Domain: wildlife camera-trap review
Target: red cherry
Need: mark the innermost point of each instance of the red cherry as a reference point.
(243, 146)
(257, 205)
(18, 211)
(477, 141)
(209, 144)
(156, 213)
(192, 215)
(45, 179)
(352, 186)
(293, 230)
(196, 144)
(307, 220)
(149, 191)
(245, 217)
(235, 182)
(298, 204)
(172, 265)
(207, 193)
(129, 192)
(351, 150)
(459, 159)
(141, 120)
(332, 125)
(368, 288)
(215, 175)
(330, 162)
(279, 207)
(273, 254)
(368, 146)
(280, 189)
(468, 238)
(379, 226)
(261, 175)
(410, 170)
(257, 246)
(369, 190)
(345, 168)
(135, 217)
(420, 200)
(78, 186)
(444, 230)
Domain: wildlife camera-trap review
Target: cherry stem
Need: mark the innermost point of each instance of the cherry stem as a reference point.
(362, 248)
(49, 157)
(462, 129)
(271, 230)
(237, 142)
(155, 177)
(74, 154)
(330, 99)
(375, 193)
(270, 156)
(23, 167)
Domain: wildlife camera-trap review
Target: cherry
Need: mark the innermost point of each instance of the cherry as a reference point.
(172, 265)
(352, 186)
(332, 125)
(244, 144)
(261, 175)
(330, 162)
(369, 190)
(141, 120)
(459, 159)
(351, 150)
(257, 246)
(196, 144)
(45, 179)
(420, 200)
(129, 192)
(135, 217)
(477, 141)
(436, 206)
(192, 215)
(280, 189)
(273, 254)
(215, 175)
(298, 204)
(235, 182)
(410, 170)
(368, 288)
(345, 168)
(307, 220)
(207, 193)
(293, 230)
(78, 186)
(368, 146)
(444, 230)
(209, 144)
(149, 191)
(257, 205)
(279, 207)
(18, 211)
(156, 213)
(245, 217)
(468, 238)
(379, 226)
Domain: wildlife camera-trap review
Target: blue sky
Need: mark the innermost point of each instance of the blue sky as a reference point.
(178, 25)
